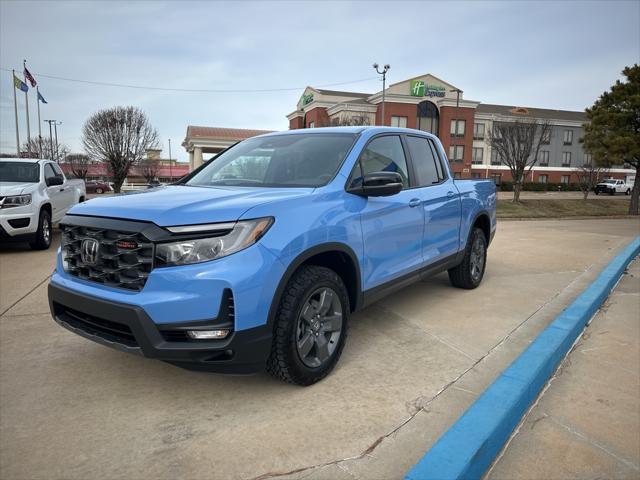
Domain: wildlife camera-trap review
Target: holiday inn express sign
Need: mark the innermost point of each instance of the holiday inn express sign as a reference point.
(419, 88)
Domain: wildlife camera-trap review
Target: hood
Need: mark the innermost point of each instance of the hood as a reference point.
(183, 205)
(15, 188)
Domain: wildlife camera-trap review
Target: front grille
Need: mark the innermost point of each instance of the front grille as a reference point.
(111, 331)
(123, 260)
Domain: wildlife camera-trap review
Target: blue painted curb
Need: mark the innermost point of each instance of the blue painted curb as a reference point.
(468, 448)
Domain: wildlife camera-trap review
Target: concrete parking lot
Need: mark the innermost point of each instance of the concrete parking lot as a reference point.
(413, 362)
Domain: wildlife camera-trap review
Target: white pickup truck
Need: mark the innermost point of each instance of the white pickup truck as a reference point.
(613, 186)
(34, 194)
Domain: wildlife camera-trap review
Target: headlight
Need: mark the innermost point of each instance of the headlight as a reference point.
(243, 234)
(15, 201)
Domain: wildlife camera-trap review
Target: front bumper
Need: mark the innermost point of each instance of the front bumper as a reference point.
(128, 328)
(18, 223)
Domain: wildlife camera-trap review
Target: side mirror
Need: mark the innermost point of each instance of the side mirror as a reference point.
(53, 181)
(378, 184)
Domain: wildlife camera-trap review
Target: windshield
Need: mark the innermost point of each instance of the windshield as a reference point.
(300, 160)
(25, 172)
(609, 181)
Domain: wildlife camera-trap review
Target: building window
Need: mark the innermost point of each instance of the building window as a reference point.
(478, 131)
(543, 158)
(312, 124)
(457, 128)
(543, 178)
(400, 122)
(566, 159)
(546, 138)
(476, 175)
(477, 153)
(568, 137)
(456, 153)
(456, 175)
(496, 177)
(565, 179)
(587, 159)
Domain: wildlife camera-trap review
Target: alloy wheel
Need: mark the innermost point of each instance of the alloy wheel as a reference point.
(477, 258)
(319, 327)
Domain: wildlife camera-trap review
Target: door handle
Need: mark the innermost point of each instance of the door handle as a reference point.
(450, 194)
(62, 189)
(414, 202)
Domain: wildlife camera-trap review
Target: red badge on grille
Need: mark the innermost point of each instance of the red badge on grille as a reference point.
(127, 244)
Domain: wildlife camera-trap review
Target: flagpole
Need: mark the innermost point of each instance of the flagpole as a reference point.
(15, 109)
(26, 106)
(39, 121)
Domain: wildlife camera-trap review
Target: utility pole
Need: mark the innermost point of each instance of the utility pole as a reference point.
(170, 168)
(39, 123)
(50, 136)
(26, 105)
(15, 109)
(55, 128)
(384, 71)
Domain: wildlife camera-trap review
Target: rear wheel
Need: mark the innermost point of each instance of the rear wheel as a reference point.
(471, 270)
(628, 192)
(310, 326)
(42, 240)
(99, 190)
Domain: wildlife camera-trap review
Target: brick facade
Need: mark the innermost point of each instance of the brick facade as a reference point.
(463, 168)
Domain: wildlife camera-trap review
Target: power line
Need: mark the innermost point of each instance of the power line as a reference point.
(191, 90)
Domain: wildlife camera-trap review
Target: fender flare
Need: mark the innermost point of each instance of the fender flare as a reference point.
(303, 257)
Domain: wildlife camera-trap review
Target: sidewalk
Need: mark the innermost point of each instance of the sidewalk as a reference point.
(587, 424)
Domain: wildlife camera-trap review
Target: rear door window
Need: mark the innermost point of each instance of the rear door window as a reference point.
(425, 163)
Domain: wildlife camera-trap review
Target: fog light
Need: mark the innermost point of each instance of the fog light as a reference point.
(207, 334)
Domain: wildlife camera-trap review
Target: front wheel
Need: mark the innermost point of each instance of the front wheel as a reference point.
(628, 192)
(310, 326)
(471, 270)
(42, 240)
(99, 190)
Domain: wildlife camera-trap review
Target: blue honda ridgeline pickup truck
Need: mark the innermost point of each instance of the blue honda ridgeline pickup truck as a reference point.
(258, 258)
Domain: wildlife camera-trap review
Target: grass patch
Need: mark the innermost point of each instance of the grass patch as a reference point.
(562, 208)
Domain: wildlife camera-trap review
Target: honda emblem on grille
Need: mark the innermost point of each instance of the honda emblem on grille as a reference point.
(89, 251)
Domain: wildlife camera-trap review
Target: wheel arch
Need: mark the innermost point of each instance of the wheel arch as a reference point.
(337, 256)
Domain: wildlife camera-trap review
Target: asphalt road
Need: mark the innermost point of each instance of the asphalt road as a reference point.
(413, 362)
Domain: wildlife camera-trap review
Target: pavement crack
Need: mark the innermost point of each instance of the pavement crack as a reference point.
(595, 444)
(24, 296)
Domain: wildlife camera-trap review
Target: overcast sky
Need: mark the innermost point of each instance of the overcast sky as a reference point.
(539, 54)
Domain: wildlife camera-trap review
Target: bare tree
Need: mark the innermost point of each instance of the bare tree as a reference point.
(32, 149)
(589, 175)
(149, 168)
(120, 137)
(79, 164)
(517, 145)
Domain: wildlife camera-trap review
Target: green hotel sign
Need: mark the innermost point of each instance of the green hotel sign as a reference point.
(308, 98)
(419, 88)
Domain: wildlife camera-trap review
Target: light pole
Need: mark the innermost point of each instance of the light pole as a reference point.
(50, 122)
(384, 71)
(55, 128)
(170, 169)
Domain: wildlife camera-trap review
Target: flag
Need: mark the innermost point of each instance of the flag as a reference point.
(41, 98)
(19, 84)
(28, 76)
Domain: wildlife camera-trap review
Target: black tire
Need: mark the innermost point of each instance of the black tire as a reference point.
(597, 193)
(42, 240)
(99, 190)
(285, 361)
(612, 192)
(469, 274)
(628, 192)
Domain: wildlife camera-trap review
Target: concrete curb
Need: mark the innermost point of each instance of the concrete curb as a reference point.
(471, 444)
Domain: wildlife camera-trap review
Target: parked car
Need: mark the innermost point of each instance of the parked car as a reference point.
(34, 194)
(97, 187)
(260, 257)
(612, 186)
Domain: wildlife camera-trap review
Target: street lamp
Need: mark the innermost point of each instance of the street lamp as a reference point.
(384, 71)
